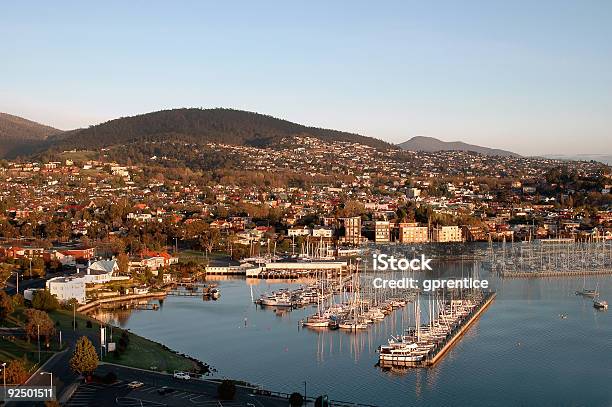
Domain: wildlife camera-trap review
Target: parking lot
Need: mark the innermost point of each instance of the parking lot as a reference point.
(192, 392)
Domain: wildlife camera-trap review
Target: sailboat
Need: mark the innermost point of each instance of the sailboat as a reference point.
(585, 292)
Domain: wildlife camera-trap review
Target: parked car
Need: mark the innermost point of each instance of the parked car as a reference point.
(165, 390)
(135, 384)
(182, 375)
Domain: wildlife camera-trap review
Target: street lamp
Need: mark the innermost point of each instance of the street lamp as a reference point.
(4, 378)
(38, 336)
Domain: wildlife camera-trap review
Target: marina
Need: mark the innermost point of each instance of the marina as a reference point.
(425, 347)
(512, 343)
(550, 258)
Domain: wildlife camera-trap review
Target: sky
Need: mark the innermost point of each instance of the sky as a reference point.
(534, 77)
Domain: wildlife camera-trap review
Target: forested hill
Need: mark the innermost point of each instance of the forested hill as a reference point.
(19, 135)
(200, 126)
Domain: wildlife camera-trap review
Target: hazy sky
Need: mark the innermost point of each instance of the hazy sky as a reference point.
(534, 77)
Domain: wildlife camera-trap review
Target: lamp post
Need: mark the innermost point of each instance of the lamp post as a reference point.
(305, 400)
(4, 378)
(38, 338)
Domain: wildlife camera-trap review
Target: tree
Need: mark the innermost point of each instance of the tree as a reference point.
(123, 262)
(45, 301)
(6, 305)
(226, 390)
(38, 322)
(18, 300)
(85, 358)
(16, 372)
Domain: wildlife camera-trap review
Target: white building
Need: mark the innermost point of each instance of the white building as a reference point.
(99, 272)
(298, 231)
(322, 232)
(66, 288)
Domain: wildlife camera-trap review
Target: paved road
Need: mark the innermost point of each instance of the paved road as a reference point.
(192, 392)
(28, 283)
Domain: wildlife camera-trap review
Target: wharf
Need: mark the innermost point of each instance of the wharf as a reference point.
(436, 354)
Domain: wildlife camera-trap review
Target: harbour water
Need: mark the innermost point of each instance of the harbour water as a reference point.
(519, 352)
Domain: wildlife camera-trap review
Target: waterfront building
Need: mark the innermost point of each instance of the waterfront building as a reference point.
(322, 232)
(298, 231)
(445, 234)
(413, 233)
(382, 231)
(66, 288)
(352, 229)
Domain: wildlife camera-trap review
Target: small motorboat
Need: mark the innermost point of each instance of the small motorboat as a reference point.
(600, 304)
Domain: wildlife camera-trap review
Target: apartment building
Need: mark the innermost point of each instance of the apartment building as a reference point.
(352, 229)
(382, 231)
(444, 234)
(413, 233)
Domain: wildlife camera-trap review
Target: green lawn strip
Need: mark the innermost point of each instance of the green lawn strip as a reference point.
(20, 349)
(145, 354)
(64, 317)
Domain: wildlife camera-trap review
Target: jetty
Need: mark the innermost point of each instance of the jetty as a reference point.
(437, 353)
(426, 349)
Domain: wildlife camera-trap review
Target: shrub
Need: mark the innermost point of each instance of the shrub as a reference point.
(110, 377)
(296, 400)
(321, 402)
(16, 372)
(45, 301)
(226, 390)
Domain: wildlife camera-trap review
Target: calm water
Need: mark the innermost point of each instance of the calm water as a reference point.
(520, 352)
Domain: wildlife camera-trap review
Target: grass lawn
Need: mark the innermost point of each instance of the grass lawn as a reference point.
(145, 354)
(64, 317)
(141, 352)
(18, 349)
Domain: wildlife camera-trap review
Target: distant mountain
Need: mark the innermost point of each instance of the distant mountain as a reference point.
(200, 126)
(18, 135)
(603, 158)
(431, 144)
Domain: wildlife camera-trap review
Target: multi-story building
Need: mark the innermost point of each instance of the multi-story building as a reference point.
(413, 233)
(322, 232)
(445, 234)
(298, 231)
(352, 229)
(382, 231)
(66, 288)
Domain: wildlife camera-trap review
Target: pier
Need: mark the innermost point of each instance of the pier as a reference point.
(119, 299)
(437, 353)
(400, 354)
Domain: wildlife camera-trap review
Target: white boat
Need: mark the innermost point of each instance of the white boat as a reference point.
(600, 304)
(352, 325)
(316, 321)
